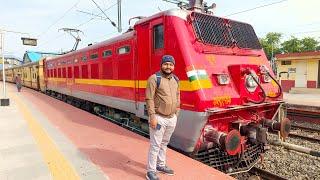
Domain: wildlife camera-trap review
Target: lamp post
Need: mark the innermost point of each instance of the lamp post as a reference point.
(3, 101)
(26, 41)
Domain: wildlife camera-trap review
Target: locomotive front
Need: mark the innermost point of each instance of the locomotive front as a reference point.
(238, 100)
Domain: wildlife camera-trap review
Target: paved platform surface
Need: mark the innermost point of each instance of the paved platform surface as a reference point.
(44, 138)
(302, 99)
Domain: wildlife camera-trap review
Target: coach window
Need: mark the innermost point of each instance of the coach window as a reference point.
(107, 53)
(285, 62)
(158, 36)
(94, 56)
(124, 50)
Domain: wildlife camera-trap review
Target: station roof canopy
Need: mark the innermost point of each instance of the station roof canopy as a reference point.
(33, 56)
(299, 55)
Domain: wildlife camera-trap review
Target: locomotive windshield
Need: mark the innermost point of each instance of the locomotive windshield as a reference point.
(224, 32)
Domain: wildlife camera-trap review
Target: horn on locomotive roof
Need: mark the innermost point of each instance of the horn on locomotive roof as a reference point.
(200, 6)
(194, 5)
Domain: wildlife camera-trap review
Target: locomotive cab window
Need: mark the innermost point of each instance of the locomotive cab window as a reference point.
(124, 50)
(158, 42)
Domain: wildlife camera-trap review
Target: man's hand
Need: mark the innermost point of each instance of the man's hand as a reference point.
(153, 123)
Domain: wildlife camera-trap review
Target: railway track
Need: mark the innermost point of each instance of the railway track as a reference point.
(311, 139)
(304, 137)
(307, 116)
(311, 129)
(265, 174)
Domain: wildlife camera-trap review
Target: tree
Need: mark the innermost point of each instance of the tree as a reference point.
(271, 44)
(309, 44)
(292, 45)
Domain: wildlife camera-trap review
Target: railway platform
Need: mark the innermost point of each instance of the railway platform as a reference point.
(44, 138)
(303, 106)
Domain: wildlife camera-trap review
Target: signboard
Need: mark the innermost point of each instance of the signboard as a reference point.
(292, 70)
(29, 41)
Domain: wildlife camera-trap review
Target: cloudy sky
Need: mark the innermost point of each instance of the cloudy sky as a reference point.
(42, 19)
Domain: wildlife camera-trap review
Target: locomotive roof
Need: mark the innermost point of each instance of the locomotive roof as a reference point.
(183, 14)
(173, 12)
(121, 37)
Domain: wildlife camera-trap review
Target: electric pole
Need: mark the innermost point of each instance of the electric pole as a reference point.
(4, 100)
(119, 17)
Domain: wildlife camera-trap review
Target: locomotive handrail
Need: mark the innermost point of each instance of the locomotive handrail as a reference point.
(263, 92)
(279, 90)
(240, 107)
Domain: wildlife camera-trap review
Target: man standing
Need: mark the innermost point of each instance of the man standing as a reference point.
(163, 104)
(18, 82)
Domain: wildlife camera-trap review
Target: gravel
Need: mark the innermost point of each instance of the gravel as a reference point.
(291, 164)
(306, 124)
(288, 163)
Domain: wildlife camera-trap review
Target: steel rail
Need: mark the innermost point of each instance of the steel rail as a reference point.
(266, 174)
(305, 128)
(304, 138)
(303, 114)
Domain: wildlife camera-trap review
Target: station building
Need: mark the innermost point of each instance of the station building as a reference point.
(10, 61)
(299, 70)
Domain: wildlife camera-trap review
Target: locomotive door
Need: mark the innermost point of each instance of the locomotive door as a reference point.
(157, 41)
(142, 63)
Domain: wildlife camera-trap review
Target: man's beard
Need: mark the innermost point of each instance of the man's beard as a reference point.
(165, 73)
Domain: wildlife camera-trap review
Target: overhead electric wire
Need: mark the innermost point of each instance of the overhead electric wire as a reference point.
(81, 24)
(113, 23)
(306, 32)
(59, 19)
(88, 13)
(16, 32)
(255, 8)
(98, 15)
(105, 35)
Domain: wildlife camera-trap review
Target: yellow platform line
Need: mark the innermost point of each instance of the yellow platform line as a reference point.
(58, 165)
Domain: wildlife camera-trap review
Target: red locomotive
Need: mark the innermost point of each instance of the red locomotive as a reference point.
(229, 97)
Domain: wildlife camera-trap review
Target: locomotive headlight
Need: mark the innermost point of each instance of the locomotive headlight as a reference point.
(223, 79)
(266, 78)
(251, 85)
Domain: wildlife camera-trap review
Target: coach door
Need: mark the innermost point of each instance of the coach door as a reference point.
(301, 74)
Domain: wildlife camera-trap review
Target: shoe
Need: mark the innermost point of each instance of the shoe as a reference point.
(152, 176)
(165, 170)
